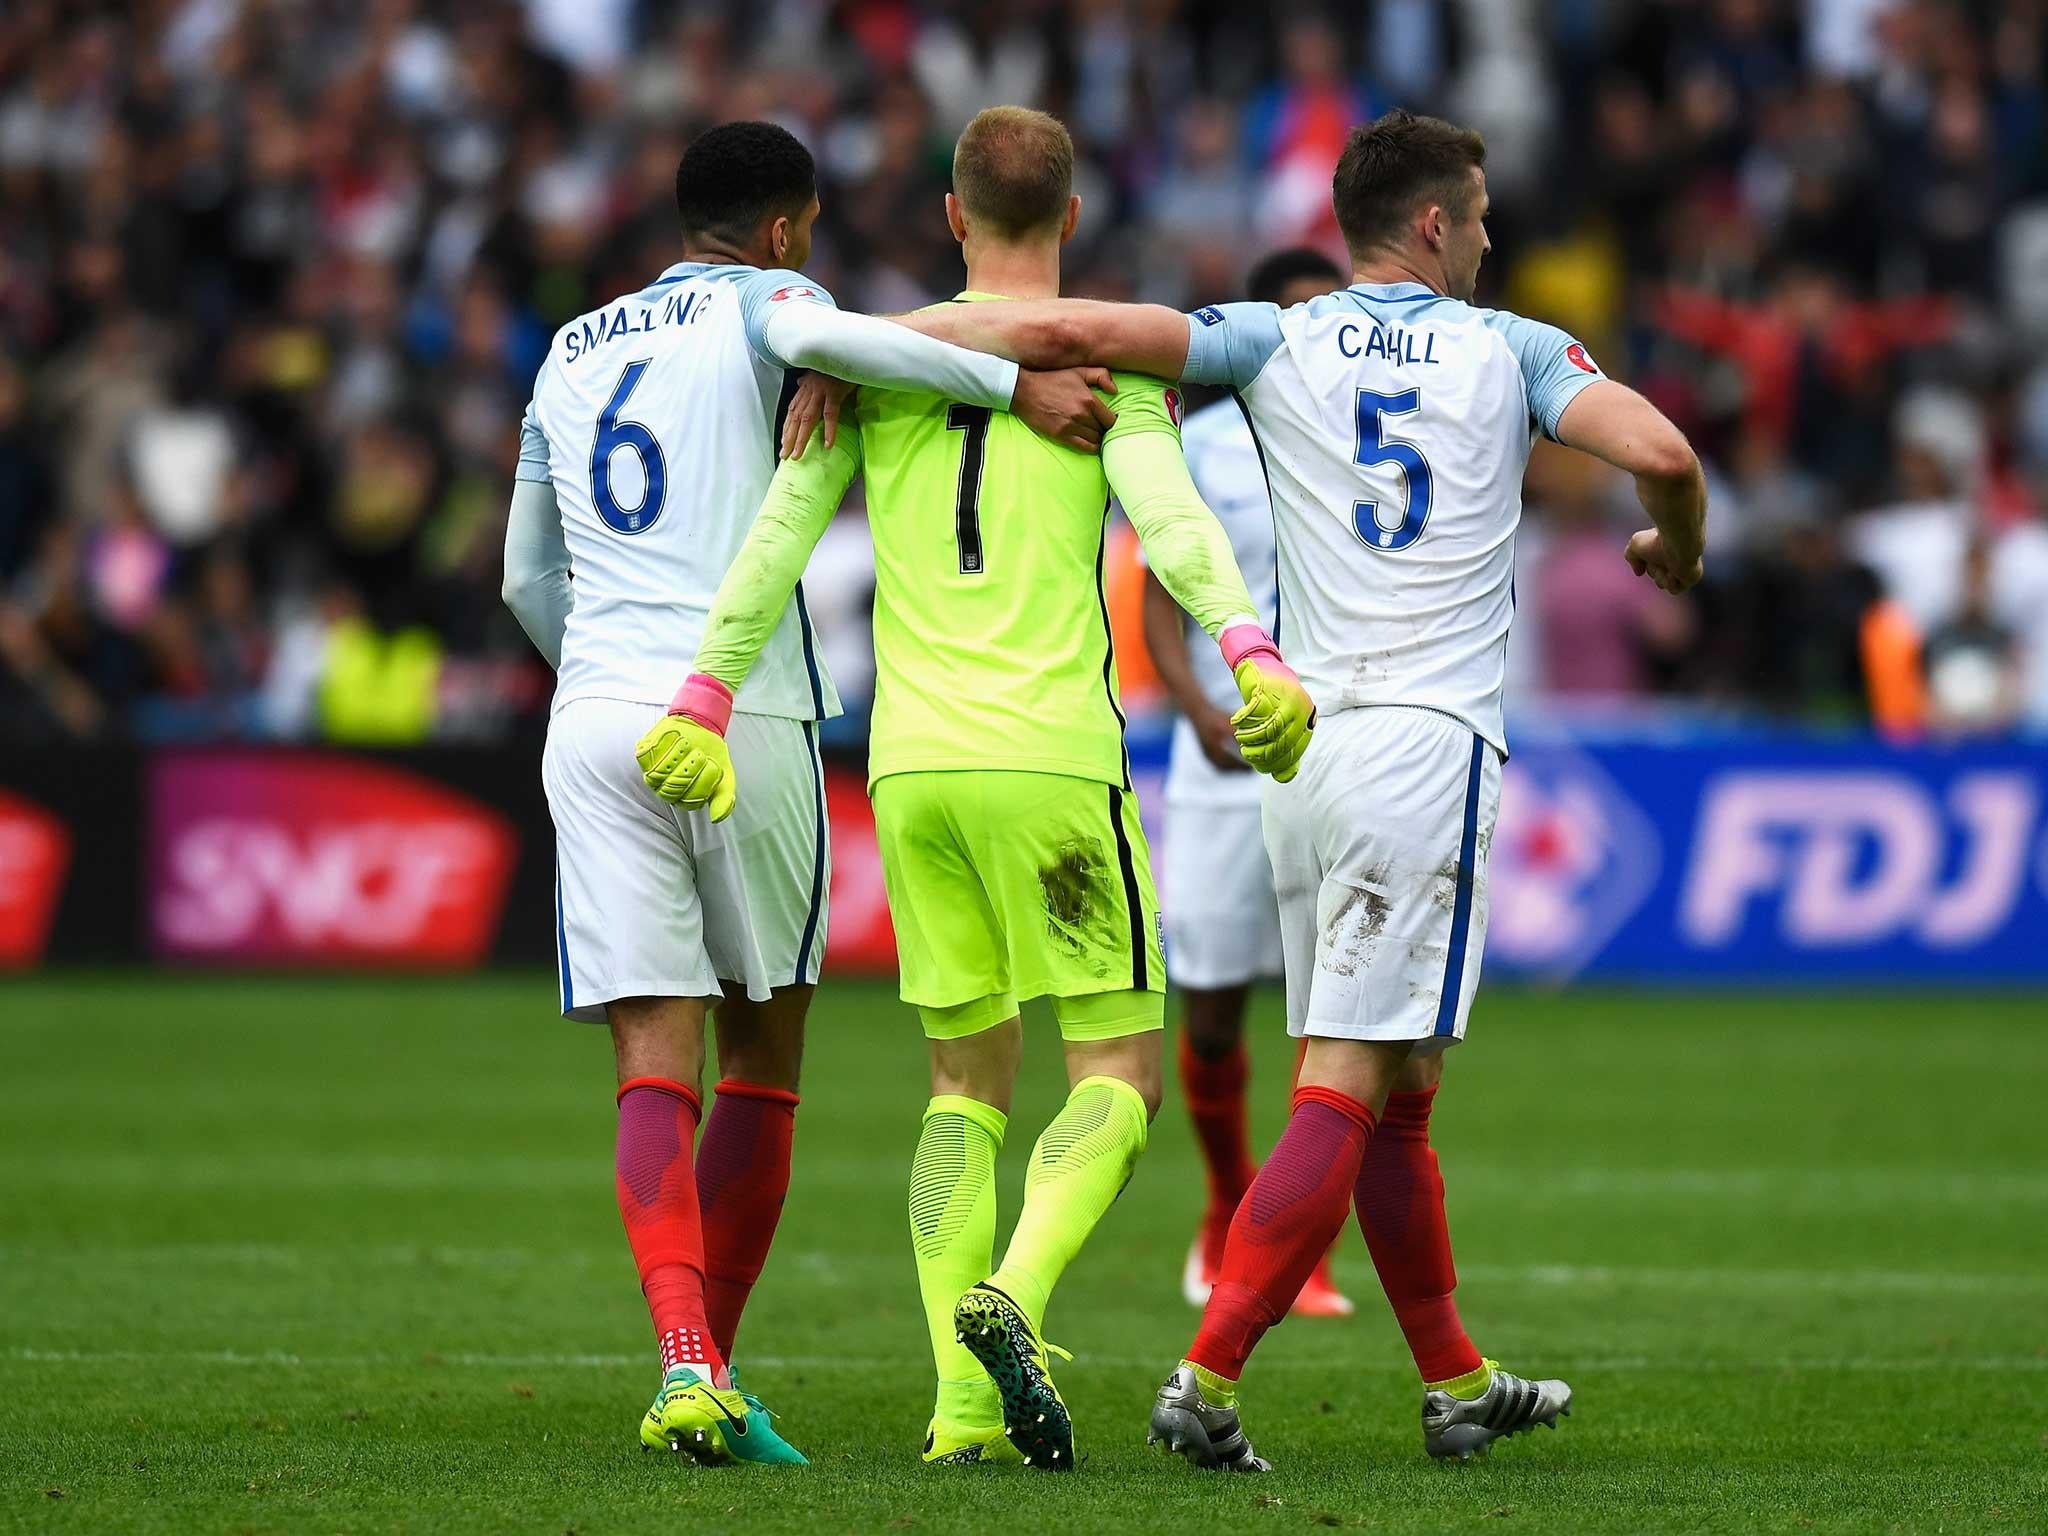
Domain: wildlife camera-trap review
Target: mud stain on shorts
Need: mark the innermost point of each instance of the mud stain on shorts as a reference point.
(1346, 942)
(1075, 891)
(1443, 886)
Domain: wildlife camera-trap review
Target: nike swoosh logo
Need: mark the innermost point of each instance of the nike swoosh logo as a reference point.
(739, 1426)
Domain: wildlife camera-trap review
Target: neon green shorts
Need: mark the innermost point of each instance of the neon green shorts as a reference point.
(1006, 885)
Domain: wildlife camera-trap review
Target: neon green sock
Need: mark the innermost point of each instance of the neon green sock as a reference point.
(953, 1232)
(1468, 1386)
(1217, 1391)
(1081, 1164)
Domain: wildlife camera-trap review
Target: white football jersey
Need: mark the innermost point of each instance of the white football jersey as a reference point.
(655, 419)
(1394, 424)
(1223, 461)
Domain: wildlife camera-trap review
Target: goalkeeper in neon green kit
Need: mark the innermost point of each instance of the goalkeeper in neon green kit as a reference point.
(1010, 842)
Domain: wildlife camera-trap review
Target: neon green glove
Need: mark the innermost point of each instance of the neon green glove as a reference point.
(1278, 717)
(683, 756)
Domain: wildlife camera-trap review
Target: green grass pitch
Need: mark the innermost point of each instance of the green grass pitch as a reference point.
(303, 1255)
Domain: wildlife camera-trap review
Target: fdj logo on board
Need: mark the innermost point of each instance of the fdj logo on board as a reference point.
(1860, 857)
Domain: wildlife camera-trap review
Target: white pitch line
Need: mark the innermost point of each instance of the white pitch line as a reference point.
(1879, 1281)
(1833, 1188)
(824, 1265)
(1647, 1364)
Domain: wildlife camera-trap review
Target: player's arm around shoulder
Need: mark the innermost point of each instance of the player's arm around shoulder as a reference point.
(798, 326)
(683, 757)
(1222, 344)
(1064, 333)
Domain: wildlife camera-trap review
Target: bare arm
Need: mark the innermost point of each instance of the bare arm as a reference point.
(1614, 423)
(1064, 333)
(1166, 637)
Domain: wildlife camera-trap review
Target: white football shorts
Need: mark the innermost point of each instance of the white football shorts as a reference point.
(652, 901)
(1216, 893)
(1379, 851)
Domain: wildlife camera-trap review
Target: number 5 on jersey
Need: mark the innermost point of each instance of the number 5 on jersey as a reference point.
(1376, 447)
(614, 436)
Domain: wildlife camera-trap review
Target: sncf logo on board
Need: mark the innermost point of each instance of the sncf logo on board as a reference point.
(286, 860)
(35, 852)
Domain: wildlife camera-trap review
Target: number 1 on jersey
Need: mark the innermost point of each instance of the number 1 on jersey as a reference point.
(1375, 447)
(973, 421)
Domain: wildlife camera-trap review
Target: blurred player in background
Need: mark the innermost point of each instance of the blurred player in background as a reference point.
(1216, 890)
(1014, 860)
(1395, 421)
(644, 456)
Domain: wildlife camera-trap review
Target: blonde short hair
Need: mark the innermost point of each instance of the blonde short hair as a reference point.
(1013, 170)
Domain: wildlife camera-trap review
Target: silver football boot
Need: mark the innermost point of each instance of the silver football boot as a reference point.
(1189, 1425)
(1465, 1427)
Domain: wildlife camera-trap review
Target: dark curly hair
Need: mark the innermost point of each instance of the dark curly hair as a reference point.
(1273, 275)
(737, 174)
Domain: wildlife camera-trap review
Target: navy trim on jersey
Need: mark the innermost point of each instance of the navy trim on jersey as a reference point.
(562, 945)
(683, 270)
(790, 379)
(1132, 898)
(1266, 475)
(1395, 293)
(803, 621)
(803, 951)
(1109, 648)
(1461, 914)
(660, 283)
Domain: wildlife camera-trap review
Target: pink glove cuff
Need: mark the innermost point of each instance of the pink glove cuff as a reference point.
(1242, 640)
(704, 699)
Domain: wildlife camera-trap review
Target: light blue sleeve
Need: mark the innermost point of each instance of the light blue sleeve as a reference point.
(533, 447)
(1554, 366)
(1229, 343)
(761, 292)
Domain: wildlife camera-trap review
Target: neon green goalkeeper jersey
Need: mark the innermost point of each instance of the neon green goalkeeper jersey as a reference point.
(992, 638)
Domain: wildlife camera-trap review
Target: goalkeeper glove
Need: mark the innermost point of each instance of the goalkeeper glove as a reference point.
(683, 757)
(1278, 715)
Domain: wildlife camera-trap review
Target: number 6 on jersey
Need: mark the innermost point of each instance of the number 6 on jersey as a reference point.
(1375, 447)
(613, 435)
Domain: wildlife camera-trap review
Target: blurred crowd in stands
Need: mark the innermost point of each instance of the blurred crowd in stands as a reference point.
(275, 276)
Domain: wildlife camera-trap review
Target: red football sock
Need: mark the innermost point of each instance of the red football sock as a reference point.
(1284, 1224)
(1400, 1198)
(658, 1199)
(742, 1177)
(1215, 1094)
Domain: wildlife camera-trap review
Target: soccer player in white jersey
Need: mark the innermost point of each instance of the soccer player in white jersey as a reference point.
(1395, 420)
(644, 457)
(1216, 885)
